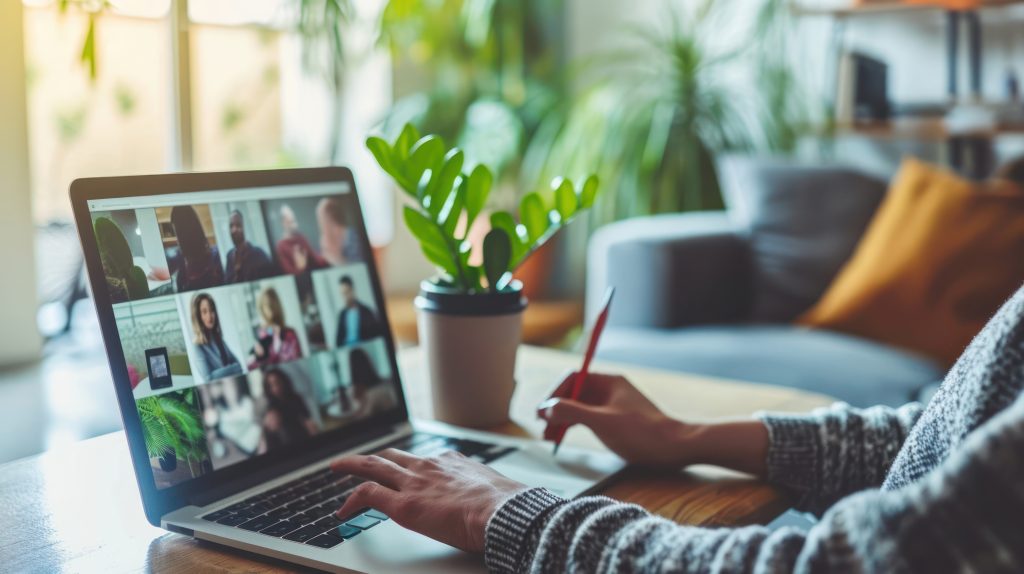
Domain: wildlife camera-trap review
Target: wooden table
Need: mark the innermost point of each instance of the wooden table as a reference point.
(77, 509)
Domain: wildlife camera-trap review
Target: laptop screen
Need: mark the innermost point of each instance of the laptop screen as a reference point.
(247, 318)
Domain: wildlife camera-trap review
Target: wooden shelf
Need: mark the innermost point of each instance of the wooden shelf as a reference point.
(927, 130)
(868, 8)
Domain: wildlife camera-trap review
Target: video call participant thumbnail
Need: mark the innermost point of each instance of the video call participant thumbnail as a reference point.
(338, 244)
(245, 262)
(198, 262)
(287, 418)
(275, 341)
(215, 358)
(296, 255)
(230, 413)
(356, 321)
(371, 392)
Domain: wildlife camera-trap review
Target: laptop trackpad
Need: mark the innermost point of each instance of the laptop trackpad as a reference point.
(569, 474)
(391, 548)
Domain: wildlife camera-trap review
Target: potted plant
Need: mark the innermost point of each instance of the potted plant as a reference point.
(173, 432)
(657, 111)
(470, 316)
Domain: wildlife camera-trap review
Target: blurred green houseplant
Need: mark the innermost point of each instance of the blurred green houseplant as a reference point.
(322, 26)
(661, 109)
(445, 202)
(486, 73)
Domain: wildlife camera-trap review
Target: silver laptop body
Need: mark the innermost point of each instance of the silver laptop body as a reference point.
(237, 424)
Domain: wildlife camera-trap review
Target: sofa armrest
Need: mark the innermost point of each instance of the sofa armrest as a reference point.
(671, 270)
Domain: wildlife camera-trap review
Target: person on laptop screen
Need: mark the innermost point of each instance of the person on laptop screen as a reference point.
(275, 342)
(215, 358)
(356, 321)
(246, 262)
(198, 261)
(287, 418)
(337, 243)
(296, 255)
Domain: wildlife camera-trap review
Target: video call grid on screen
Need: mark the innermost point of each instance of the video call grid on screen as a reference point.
(263, 305)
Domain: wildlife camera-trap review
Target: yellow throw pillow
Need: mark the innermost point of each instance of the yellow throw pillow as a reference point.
(937, 260)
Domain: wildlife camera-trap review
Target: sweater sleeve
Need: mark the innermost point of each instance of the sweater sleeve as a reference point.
(963, 516)
(835, 451)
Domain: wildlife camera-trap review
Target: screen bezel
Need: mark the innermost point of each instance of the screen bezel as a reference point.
(157, 502)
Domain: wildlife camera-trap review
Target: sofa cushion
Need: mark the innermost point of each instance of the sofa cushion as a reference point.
(854, 370)
(803, 221)
(941, 255)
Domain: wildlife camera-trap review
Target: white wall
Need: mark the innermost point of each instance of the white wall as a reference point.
(19, 338)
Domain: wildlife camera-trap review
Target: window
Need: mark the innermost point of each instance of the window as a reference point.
(113, 124)
(252, 102)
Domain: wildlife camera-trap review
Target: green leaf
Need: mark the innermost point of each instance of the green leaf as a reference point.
(452, 210)
(588, 193)
(534, 216)
(432, 242)
(403, 145)
(479, 188)
(427, 154)
(89, 47)
(385, 157)
(441, 184)
(381, 151)
(565, 198)
(423, 188)
(497, 256)
(517, 234)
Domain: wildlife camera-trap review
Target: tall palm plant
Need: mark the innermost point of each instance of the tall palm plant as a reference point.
(654, 118)
(784, 113)
(322, 26)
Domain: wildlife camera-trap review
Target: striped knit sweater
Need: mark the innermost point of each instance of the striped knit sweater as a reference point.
(935, 489)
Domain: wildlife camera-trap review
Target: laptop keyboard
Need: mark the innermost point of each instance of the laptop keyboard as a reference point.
(302, 510)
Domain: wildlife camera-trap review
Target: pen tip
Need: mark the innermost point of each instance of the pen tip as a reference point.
(555, 450)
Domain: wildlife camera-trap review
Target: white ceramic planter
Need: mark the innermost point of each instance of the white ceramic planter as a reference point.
(470, 344)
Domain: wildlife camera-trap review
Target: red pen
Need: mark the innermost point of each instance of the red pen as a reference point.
(581, 375)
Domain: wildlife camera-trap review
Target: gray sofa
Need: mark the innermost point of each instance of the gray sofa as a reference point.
(715, 293)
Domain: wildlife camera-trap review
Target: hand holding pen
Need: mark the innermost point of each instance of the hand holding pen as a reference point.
(557, 432)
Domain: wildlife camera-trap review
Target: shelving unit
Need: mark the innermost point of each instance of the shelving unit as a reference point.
(802, 9)
(970, 153)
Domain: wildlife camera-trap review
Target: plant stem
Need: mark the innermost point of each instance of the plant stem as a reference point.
(453, 249)
(541, 241)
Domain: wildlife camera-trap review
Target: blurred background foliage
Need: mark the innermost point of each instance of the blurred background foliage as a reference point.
(659, 110)
(492, 77)
(485, 74)
(650, 117)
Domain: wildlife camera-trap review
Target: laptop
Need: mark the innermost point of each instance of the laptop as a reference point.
(224, 301)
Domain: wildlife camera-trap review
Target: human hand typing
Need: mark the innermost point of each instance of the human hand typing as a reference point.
(448, 497)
